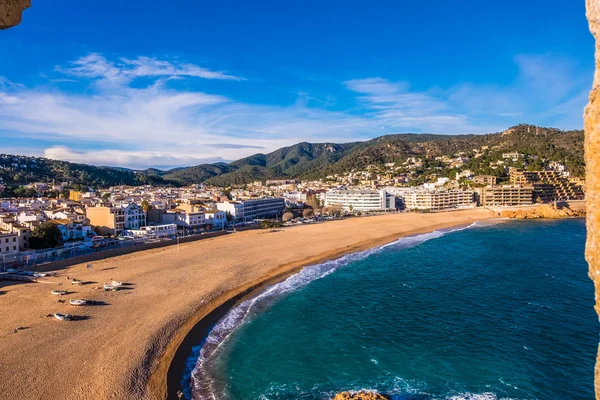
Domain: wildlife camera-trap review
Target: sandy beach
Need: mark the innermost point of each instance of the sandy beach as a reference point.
(122, 349)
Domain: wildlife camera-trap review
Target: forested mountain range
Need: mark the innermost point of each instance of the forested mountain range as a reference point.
(313, 160)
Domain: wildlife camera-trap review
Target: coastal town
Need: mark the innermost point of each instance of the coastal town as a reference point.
(299, 200)
(59, 220)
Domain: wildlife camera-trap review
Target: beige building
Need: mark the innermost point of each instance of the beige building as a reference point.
(10, 225)
(106, 220)
(485, 179)
(438, 200)
(506, 195)
(9, 243)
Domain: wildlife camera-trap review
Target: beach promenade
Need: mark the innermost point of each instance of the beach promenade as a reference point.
(122, 348)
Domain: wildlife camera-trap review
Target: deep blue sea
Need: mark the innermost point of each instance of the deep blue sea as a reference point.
(493, 311)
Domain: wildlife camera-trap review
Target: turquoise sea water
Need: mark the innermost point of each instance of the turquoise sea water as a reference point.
(501, 310)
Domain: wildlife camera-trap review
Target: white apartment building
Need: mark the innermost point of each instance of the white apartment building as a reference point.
(360, 200)
(215, 218)
(30, 216)
(438, 200)
(72, 230)
(190, 219)
(247, 210)
(135, 217)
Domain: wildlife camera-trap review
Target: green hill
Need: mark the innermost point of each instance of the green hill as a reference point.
(315, 160)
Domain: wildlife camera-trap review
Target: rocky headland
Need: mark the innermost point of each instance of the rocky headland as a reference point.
(543, 211)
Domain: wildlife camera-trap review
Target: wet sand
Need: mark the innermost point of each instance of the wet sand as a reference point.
(124, 348)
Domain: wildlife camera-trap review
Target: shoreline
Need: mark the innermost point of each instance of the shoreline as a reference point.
(201, 329)
(135, 345)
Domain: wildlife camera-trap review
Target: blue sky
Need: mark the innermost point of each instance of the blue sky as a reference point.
(139, 84)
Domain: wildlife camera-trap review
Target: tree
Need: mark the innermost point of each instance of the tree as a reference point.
(45, 236)
(22, 191)
(105, 196)
(308, 212)
(146, 206)
(287, 216)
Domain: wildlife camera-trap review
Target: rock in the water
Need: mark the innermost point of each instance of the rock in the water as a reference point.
(360, 396)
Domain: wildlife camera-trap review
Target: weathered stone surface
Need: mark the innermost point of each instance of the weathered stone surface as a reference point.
(360, 396)
(11, 11)
(543, 211)
(592, 159)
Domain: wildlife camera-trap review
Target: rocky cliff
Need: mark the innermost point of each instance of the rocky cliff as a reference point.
(11, 11)
(543, 211)
(592, 159)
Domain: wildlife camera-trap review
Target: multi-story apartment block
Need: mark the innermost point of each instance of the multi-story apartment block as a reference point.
(107, 220)
(9, 242)
(10, 225)
(135, 217)
(505, 195)
(215, 218)
(268, 207)
(485, 179)
(71, 230)
(438, 200)
(548, 185)
(360, 200)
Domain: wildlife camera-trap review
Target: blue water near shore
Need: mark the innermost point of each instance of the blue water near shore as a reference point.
(494, 311)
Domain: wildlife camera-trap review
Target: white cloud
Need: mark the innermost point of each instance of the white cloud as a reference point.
(6, 99)
(156, 125)
(137, 159)
(96, 66)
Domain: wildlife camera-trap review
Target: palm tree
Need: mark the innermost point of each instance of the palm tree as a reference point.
(145, 208)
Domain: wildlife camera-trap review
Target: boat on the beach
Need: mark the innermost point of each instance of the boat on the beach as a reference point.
(76, 282)
(62, 317)
(115, 283)
(59, 292)
(78, 302)
(110, 288)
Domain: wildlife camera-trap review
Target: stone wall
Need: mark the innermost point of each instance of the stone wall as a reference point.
(592, 159)
(11, 12)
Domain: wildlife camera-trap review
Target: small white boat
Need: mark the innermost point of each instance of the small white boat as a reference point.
(78, 302)
(62, 317)
(76, 282)
(39, 274)
(108, 287)
(116, 283)
(59, 292)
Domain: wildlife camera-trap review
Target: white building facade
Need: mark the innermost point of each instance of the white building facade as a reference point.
(247, 210)
(360, 200)
(135, 217)
(438, 200)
